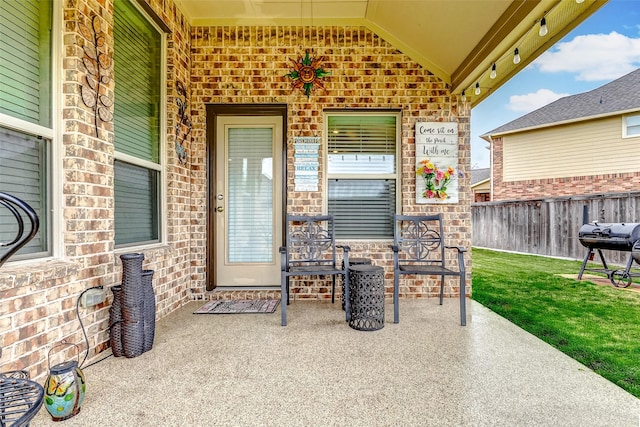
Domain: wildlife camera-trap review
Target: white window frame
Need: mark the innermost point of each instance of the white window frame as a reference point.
(161, 166)
(397, 176)
(626, 126)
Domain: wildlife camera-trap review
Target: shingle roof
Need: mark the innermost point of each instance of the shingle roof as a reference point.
(479, 175)
(620, 95)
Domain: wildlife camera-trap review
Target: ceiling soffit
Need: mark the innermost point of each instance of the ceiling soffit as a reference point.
(437, 34)
(458, 41)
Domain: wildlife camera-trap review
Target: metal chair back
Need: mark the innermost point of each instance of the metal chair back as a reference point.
(419, 249)
(310, 241)
(420, 239)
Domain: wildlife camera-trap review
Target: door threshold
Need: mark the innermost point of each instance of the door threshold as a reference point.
(244, 288)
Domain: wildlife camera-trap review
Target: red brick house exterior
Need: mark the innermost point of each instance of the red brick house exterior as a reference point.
(231, 65)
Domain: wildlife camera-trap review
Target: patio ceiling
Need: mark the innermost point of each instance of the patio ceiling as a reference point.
(457, 40)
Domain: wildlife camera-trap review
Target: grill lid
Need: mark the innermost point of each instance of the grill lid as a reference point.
(616, 236)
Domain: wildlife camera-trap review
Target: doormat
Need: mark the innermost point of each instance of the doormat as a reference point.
(239, 306)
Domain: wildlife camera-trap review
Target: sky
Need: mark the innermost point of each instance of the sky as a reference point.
(602, 48)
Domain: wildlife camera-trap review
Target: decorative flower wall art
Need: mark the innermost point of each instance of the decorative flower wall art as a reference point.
(435, 179)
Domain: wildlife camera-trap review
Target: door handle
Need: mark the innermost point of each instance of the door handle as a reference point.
(219, 209)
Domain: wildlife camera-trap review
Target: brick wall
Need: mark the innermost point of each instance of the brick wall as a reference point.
(556, 187)
(245, 65)
(39, 297)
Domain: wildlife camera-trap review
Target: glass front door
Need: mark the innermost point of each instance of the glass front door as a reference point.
(248, 200)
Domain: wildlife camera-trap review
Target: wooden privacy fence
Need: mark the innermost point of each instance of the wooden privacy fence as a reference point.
(550, 226)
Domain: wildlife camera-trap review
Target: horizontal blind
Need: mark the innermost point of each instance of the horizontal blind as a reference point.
(361, 172)
(136, 204)
(137, 83)
(250, 195)
(362, 208)
(137, 71)
(361, 144)
(22, 175)
(25, 58)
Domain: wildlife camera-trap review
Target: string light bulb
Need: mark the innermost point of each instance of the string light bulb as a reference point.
(543, 27)
(477, 91)
(464, 96)
(494, 73)
(516, 56)
(579, 1)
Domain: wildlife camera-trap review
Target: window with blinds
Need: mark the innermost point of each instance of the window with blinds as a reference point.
(25, 97)
(137, 108)
(362, 173)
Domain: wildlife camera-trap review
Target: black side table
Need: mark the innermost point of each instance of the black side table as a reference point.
(366, 297)
(352, 262)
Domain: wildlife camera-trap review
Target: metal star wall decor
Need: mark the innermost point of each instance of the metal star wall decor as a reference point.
(307, 73)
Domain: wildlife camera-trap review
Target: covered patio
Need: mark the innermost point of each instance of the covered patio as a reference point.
(124, 167)
(427, 370)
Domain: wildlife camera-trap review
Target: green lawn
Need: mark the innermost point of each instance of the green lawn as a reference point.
(597, 325)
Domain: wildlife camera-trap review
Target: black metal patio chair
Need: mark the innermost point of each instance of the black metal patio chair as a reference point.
(419, 249)
(310, 250)
(19, 209)
(20, 399)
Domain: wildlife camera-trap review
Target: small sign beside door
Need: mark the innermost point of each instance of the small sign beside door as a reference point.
(306, 162)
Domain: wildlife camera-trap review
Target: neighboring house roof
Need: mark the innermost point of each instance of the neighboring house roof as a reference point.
(621, 95)
(478, 176)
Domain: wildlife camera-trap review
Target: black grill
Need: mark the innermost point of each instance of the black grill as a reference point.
(624, 237)
(635, 252)
(615, 236)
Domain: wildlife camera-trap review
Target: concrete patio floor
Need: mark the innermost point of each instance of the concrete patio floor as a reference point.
(247, 370)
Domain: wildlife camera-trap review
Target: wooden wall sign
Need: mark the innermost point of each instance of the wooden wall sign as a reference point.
(436, 162)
